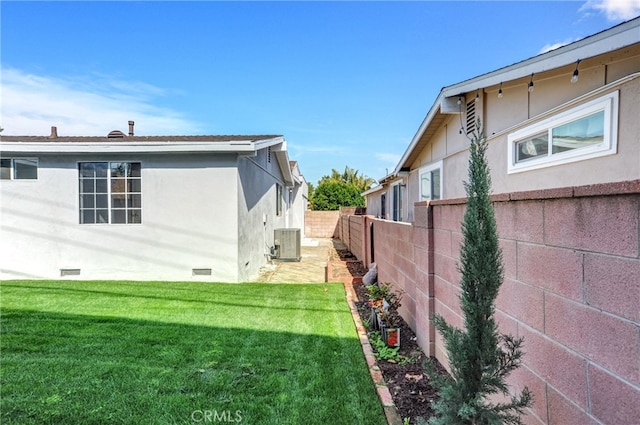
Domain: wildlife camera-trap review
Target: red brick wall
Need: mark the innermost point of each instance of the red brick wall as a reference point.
(321, 224)
(571, 289)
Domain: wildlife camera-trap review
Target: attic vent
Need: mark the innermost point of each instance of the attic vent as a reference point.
(116, 134)
(269, 154)
(471, 116)
(69, 272)
(201, 272)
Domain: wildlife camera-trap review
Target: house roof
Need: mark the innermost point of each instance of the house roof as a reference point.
(614, 38)
(121, 143)
(132, 139)
(372, 190)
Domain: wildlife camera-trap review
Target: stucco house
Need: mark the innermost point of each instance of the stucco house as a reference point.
(563, 131)
(568, 117)
(144, 207)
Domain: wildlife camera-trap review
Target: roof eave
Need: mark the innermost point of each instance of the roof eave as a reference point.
(231, 146)
(611, 39)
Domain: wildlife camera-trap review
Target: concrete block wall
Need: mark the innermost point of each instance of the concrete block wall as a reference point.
(321, 224)
(571, 289)
(352, 232)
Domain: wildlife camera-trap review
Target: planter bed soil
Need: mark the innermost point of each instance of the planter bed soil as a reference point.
(408, 383)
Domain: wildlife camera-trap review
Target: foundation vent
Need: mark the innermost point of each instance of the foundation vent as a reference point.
(201, 272)
(69, 272)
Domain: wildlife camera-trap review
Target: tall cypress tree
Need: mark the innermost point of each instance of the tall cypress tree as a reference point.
(480, 357)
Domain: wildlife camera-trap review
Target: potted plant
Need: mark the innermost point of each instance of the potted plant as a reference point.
(384, 312)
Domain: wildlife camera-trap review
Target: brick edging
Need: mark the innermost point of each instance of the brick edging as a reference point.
(390, 410)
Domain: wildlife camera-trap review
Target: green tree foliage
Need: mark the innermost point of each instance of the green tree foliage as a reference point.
(350, 176)
(332, 194)
(340, 190)
(480, 357)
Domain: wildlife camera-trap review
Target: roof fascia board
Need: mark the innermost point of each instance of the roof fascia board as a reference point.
(372, 190)
(265, 143)
(283, 162)
(425, 123)
(240, 147)
(615, 38)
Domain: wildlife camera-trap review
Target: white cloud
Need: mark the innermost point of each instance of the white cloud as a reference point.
(548, 47)
(82, 106)
(388, 158)
(615, 10)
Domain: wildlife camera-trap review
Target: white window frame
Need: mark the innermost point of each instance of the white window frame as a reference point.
(12, 168)
(109, 193)
(609, 146)
(429, 169)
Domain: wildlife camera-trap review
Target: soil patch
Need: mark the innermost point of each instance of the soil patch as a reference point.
(408, 382)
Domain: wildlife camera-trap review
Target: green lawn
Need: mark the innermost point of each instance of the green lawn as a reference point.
(180, 353)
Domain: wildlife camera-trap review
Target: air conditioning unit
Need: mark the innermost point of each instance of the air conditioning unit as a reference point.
(287, 243)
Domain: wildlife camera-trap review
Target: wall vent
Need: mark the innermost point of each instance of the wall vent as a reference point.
(287, 242)
(471, 116)
(69, 272)
(201, 272)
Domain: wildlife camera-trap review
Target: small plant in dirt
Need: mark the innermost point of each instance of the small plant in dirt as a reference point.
(386, 301)
(480, 357)
(382, 352)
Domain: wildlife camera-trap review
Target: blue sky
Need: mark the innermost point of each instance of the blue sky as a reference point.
(346, 83)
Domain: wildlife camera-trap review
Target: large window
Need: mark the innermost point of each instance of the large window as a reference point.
(18, 169)
(110, 192)
(587, 131)
(431, 182)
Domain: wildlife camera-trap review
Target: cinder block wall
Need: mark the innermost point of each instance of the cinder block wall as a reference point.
(321, 224)
(571, 289)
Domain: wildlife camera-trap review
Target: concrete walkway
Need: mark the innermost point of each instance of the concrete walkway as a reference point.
(321, 263)
(312, 267)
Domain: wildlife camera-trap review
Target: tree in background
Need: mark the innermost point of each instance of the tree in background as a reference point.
(350, 176)
(331, 195)
(340, 190)
(479, 356)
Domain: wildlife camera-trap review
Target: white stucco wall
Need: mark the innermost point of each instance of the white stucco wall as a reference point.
(257, 178)
(189, 220)
(298, 201)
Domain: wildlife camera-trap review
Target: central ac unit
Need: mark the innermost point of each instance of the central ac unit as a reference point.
(287, 242)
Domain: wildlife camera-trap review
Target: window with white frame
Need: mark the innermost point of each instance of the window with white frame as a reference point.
(18, 168)
(584, 132)
(110, 192)
(383, 205)
(431, 182)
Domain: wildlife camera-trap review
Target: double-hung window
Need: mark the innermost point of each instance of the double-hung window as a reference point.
(584, 132)
(110, 192)
(18, 168)
(431, 182)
